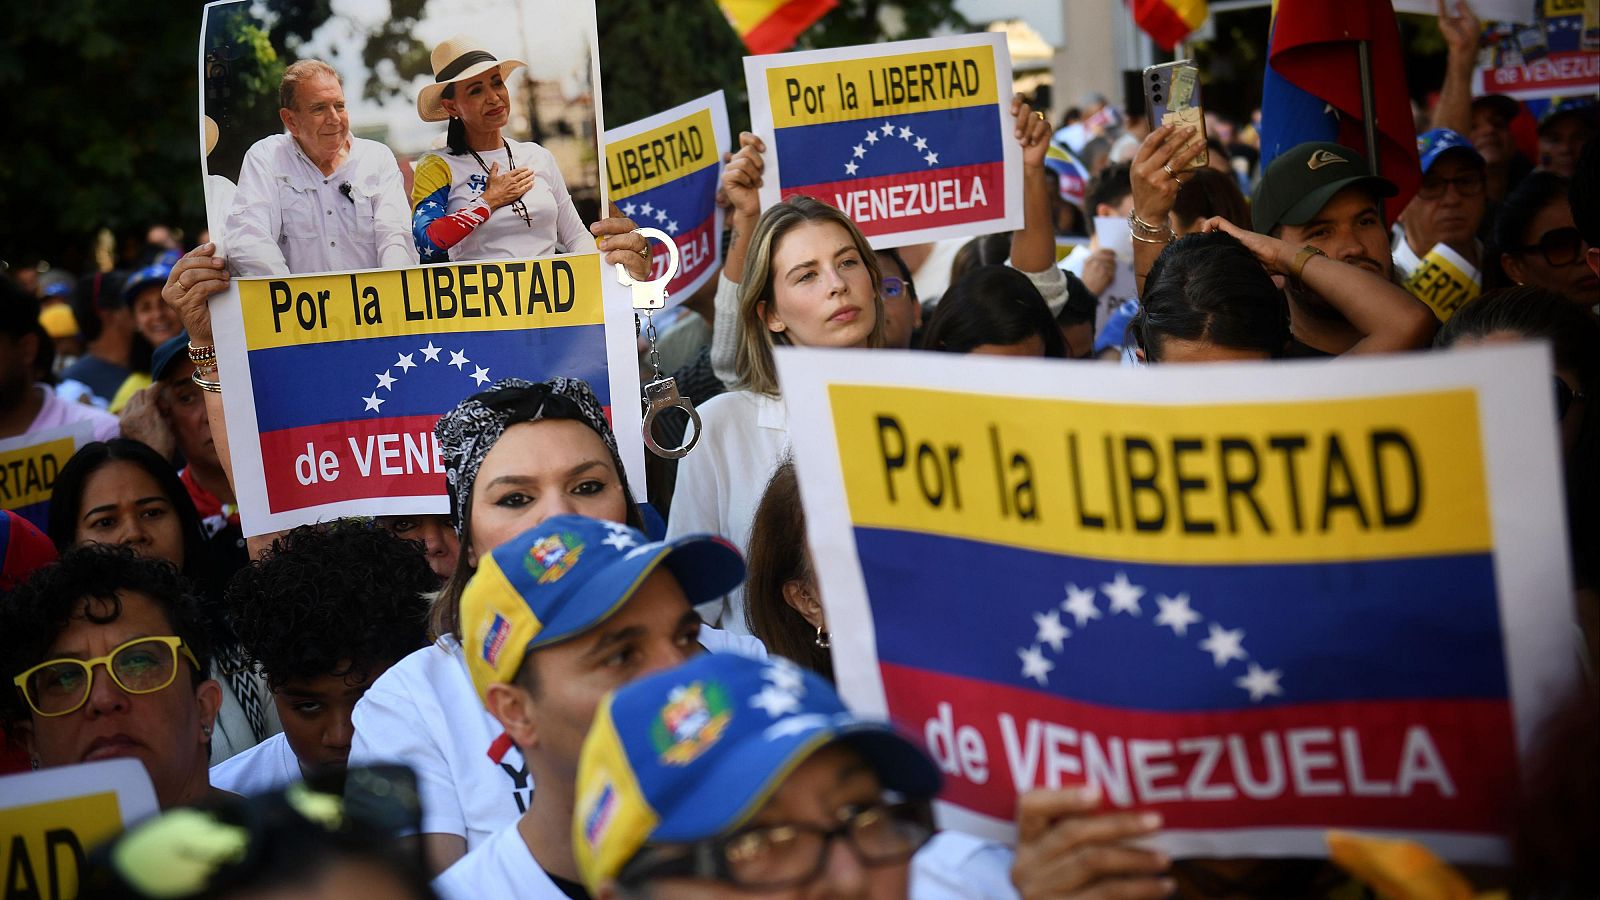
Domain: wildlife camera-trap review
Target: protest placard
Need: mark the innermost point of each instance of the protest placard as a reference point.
(338, 346)
(51, 819)
(29, 465)
(1444, 280)
(664, 171)
(912, 140)
(1262, 602)
(1551, 51)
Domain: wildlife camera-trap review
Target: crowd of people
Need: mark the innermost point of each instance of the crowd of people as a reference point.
(511, 700)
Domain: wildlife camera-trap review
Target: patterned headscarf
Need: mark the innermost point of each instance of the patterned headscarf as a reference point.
(467, 433)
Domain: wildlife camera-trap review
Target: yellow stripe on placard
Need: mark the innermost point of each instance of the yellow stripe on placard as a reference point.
(50, 838)
(1328, 480)
(28, 474)
(502, 295)
(660, 155)
(1439, 282)
(882, 85)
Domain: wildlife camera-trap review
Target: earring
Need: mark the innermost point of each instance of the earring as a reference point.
(205, 730)
(823, 640)
(34, 761)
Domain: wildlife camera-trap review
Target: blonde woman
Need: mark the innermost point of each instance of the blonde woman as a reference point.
(809, 279)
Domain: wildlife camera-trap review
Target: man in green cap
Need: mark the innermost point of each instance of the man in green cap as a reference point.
(1324, 198)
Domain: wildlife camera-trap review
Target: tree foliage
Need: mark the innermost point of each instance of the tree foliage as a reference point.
(654, 58)
(100, 99)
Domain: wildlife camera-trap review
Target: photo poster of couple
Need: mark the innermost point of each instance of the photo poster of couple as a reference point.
(405, 206)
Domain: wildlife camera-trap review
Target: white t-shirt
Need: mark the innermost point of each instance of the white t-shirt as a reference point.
(958, 866)
(744, 435)
(447, 183)
(265, 767)
(425, 713)
(502, 868)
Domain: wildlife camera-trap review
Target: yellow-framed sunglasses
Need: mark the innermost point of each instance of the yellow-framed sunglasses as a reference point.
(143, 665)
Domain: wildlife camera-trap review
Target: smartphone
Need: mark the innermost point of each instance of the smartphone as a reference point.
(1172, 97)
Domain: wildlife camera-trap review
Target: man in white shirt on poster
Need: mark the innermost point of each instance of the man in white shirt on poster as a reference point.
(316, 199)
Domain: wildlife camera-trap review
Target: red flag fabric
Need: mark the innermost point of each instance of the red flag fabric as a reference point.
(771, 26)
(1314, 47)
(1169, 21)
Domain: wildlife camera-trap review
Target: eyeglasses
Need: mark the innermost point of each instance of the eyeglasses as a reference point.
(1465, 185)
(141, 666)
(1560, 246)
(778, 857)
(1565, 397)
(892, 287)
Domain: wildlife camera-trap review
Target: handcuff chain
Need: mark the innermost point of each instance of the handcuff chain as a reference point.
(650, 338)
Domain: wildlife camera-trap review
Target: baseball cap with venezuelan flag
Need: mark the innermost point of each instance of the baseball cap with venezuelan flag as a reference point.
(568, 574)
(693, 752)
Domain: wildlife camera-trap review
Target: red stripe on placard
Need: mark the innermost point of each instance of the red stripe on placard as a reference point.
(1436, 765)
(353, 460)
(379, 457)
(697, 249)
(953, 196)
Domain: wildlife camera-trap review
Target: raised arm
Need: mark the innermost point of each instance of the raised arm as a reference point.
(741, 187)
(1461, 32)
(1155, 190)
(1389, 318)
(1033, 248)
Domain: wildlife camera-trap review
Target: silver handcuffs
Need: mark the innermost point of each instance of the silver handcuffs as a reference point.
(661, 393)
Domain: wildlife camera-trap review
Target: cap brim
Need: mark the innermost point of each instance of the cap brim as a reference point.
(737, 796)
(705, 566)
(429, 106)
(1308, 206)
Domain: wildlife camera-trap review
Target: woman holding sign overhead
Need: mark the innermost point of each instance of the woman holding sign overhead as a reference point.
(486, 196)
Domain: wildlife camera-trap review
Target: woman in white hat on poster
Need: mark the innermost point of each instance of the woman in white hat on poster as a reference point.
(485, 196)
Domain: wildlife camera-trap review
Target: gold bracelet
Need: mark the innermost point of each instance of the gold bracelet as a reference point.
(202, 354)
(1298, 266)
(1144, 240)
(214, 387)
(1135, 222)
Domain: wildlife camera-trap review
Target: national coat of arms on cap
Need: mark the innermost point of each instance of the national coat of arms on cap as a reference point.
(553, 556)
(694, 718)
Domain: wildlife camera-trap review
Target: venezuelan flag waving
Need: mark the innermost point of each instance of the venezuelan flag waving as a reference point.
(1312, 89)
(771, 26)
(1169, 21)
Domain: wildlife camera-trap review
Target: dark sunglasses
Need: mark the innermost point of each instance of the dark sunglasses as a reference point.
(1565, 397)
(1559, 246)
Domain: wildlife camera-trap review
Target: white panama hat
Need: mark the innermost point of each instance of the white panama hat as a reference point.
(457, 59)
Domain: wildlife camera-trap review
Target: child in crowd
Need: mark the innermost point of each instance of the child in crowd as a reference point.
(322, 614)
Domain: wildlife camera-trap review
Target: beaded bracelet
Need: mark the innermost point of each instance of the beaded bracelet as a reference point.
(202, 354)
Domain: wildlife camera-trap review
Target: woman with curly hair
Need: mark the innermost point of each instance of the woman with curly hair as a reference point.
(323, 613)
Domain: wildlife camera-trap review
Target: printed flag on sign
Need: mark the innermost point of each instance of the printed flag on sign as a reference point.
(1261, 609)
(771, 26)
(344, 376)
(911, 140)
(29, 464)
(663, 172)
